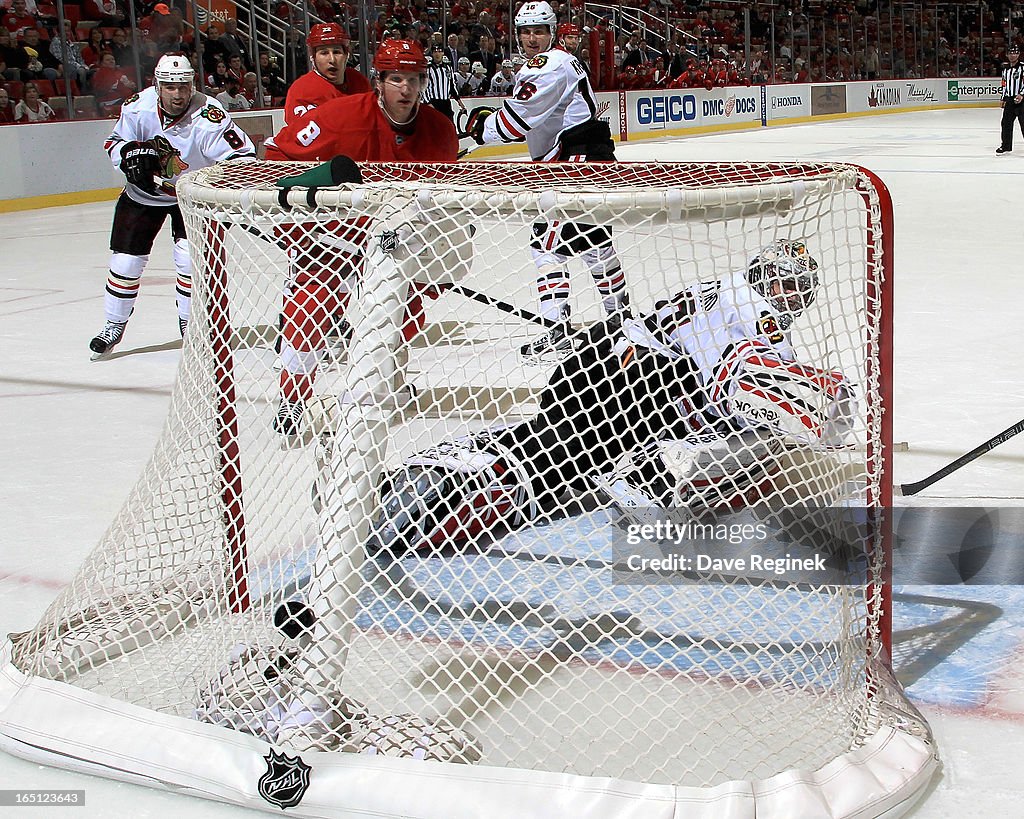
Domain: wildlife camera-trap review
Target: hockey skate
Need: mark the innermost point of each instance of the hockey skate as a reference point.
(289, 418)
(182, 326)
(550, 348)
(107, 338)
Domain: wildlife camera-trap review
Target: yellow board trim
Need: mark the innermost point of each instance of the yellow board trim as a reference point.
(55, 200)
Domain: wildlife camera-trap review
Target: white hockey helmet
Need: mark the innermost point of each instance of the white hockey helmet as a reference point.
(174, 68)
(537, 14)
(507, 64)
(478, 68)
(463, 60)
(787, 262)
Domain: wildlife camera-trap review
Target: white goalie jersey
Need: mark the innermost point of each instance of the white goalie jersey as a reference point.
(746, 363)
(200, 137)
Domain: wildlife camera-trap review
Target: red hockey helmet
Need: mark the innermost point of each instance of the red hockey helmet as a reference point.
(326, 34)
(400, 55)
(568, 30)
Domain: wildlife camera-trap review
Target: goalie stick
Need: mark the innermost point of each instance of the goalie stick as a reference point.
(907, 489)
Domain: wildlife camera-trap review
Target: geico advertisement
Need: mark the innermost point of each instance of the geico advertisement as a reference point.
(670, 110)
(785, 101)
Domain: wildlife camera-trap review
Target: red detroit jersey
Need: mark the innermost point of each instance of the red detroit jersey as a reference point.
(356, 127)
(312, 90)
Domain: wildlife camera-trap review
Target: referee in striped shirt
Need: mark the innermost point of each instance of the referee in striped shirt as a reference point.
(1013, 99)
(440, 89)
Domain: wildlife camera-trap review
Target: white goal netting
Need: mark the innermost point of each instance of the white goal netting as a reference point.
(446, 519)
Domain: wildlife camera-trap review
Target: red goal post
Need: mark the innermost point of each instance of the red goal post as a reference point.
(522, 669)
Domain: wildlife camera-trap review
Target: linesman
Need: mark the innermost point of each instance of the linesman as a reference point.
(441, 88)
(1013, 100)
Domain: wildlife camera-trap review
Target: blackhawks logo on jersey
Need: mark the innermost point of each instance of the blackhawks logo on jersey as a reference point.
(768, 326)
(131, 99)
(539, 61)
(213, 114)
(171, 163)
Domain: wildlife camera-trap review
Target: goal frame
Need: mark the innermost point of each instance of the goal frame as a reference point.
(53, 722)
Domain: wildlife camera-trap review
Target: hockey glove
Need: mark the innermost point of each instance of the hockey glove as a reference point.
(139, 162)
(475, 123)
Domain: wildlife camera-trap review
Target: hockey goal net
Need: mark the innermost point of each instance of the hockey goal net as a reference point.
(535, 654)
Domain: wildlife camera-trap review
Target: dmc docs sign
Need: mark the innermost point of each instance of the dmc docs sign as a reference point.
(673, 110)
(787, 101)
(973, 90)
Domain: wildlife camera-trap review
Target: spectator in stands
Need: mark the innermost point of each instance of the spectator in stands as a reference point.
(32, 108)
(231, 97)
(6, 108)
(213, 48)
(93, 49)
(487, 56)
(638, 52)
(252, 92)
(218, 78)
(111, 86)
(296, 58)
(235, 42)
(13, 60)
(42, 65)
(273, 81)
(452, 50)
(108, 12)
(236, 69)
(18, 20)
(124, 53)
(30, 6)
(68, 53)
(157, 25)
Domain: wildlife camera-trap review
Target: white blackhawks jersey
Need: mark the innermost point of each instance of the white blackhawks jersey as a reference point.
(501, 85)
(201, 136)
(709, 322)
(552, 94)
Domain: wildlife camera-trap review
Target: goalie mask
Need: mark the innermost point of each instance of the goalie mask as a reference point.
(787, 276)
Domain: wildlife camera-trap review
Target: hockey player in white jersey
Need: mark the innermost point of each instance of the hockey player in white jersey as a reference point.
(552, 109)
(503, 82)
(162, 132)
(712, 361)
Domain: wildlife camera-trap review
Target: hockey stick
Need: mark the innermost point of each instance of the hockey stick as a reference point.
(913, 488)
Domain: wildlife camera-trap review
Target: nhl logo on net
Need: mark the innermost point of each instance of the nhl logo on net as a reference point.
(286, 780)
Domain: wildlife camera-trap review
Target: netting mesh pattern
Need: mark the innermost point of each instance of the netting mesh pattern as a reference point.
(499, 629)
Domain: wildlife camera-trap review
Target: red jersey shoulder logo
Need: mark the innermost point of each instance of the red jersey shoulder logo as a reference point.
(769, 327)
(539, 61)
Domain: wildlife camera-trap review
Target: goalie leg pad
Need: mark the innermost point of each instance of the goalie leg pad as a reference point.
(805, 404)
(448, 495)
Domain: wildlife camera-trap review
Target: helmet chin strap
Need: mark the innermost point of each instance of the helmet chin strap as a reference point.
(391, 119)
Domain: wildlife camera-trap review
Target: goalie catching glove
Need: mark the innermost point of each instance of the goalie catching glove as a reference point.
(803, 403)
(140, 161)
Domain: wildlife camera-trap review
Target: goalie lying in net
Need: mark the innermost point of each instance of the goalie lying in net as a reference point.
(714, 358)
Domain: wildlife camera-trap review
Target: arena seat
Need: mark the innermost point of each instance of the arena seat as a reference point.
(46, 88)
(15, 89)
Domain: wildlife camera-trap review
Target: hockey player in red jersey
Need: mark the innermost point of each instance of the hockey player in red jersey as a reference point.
(331, 77)
(387, 124)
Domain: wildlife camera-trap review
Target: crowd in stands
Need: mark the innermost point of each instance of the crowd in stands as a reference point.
(105, 62)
